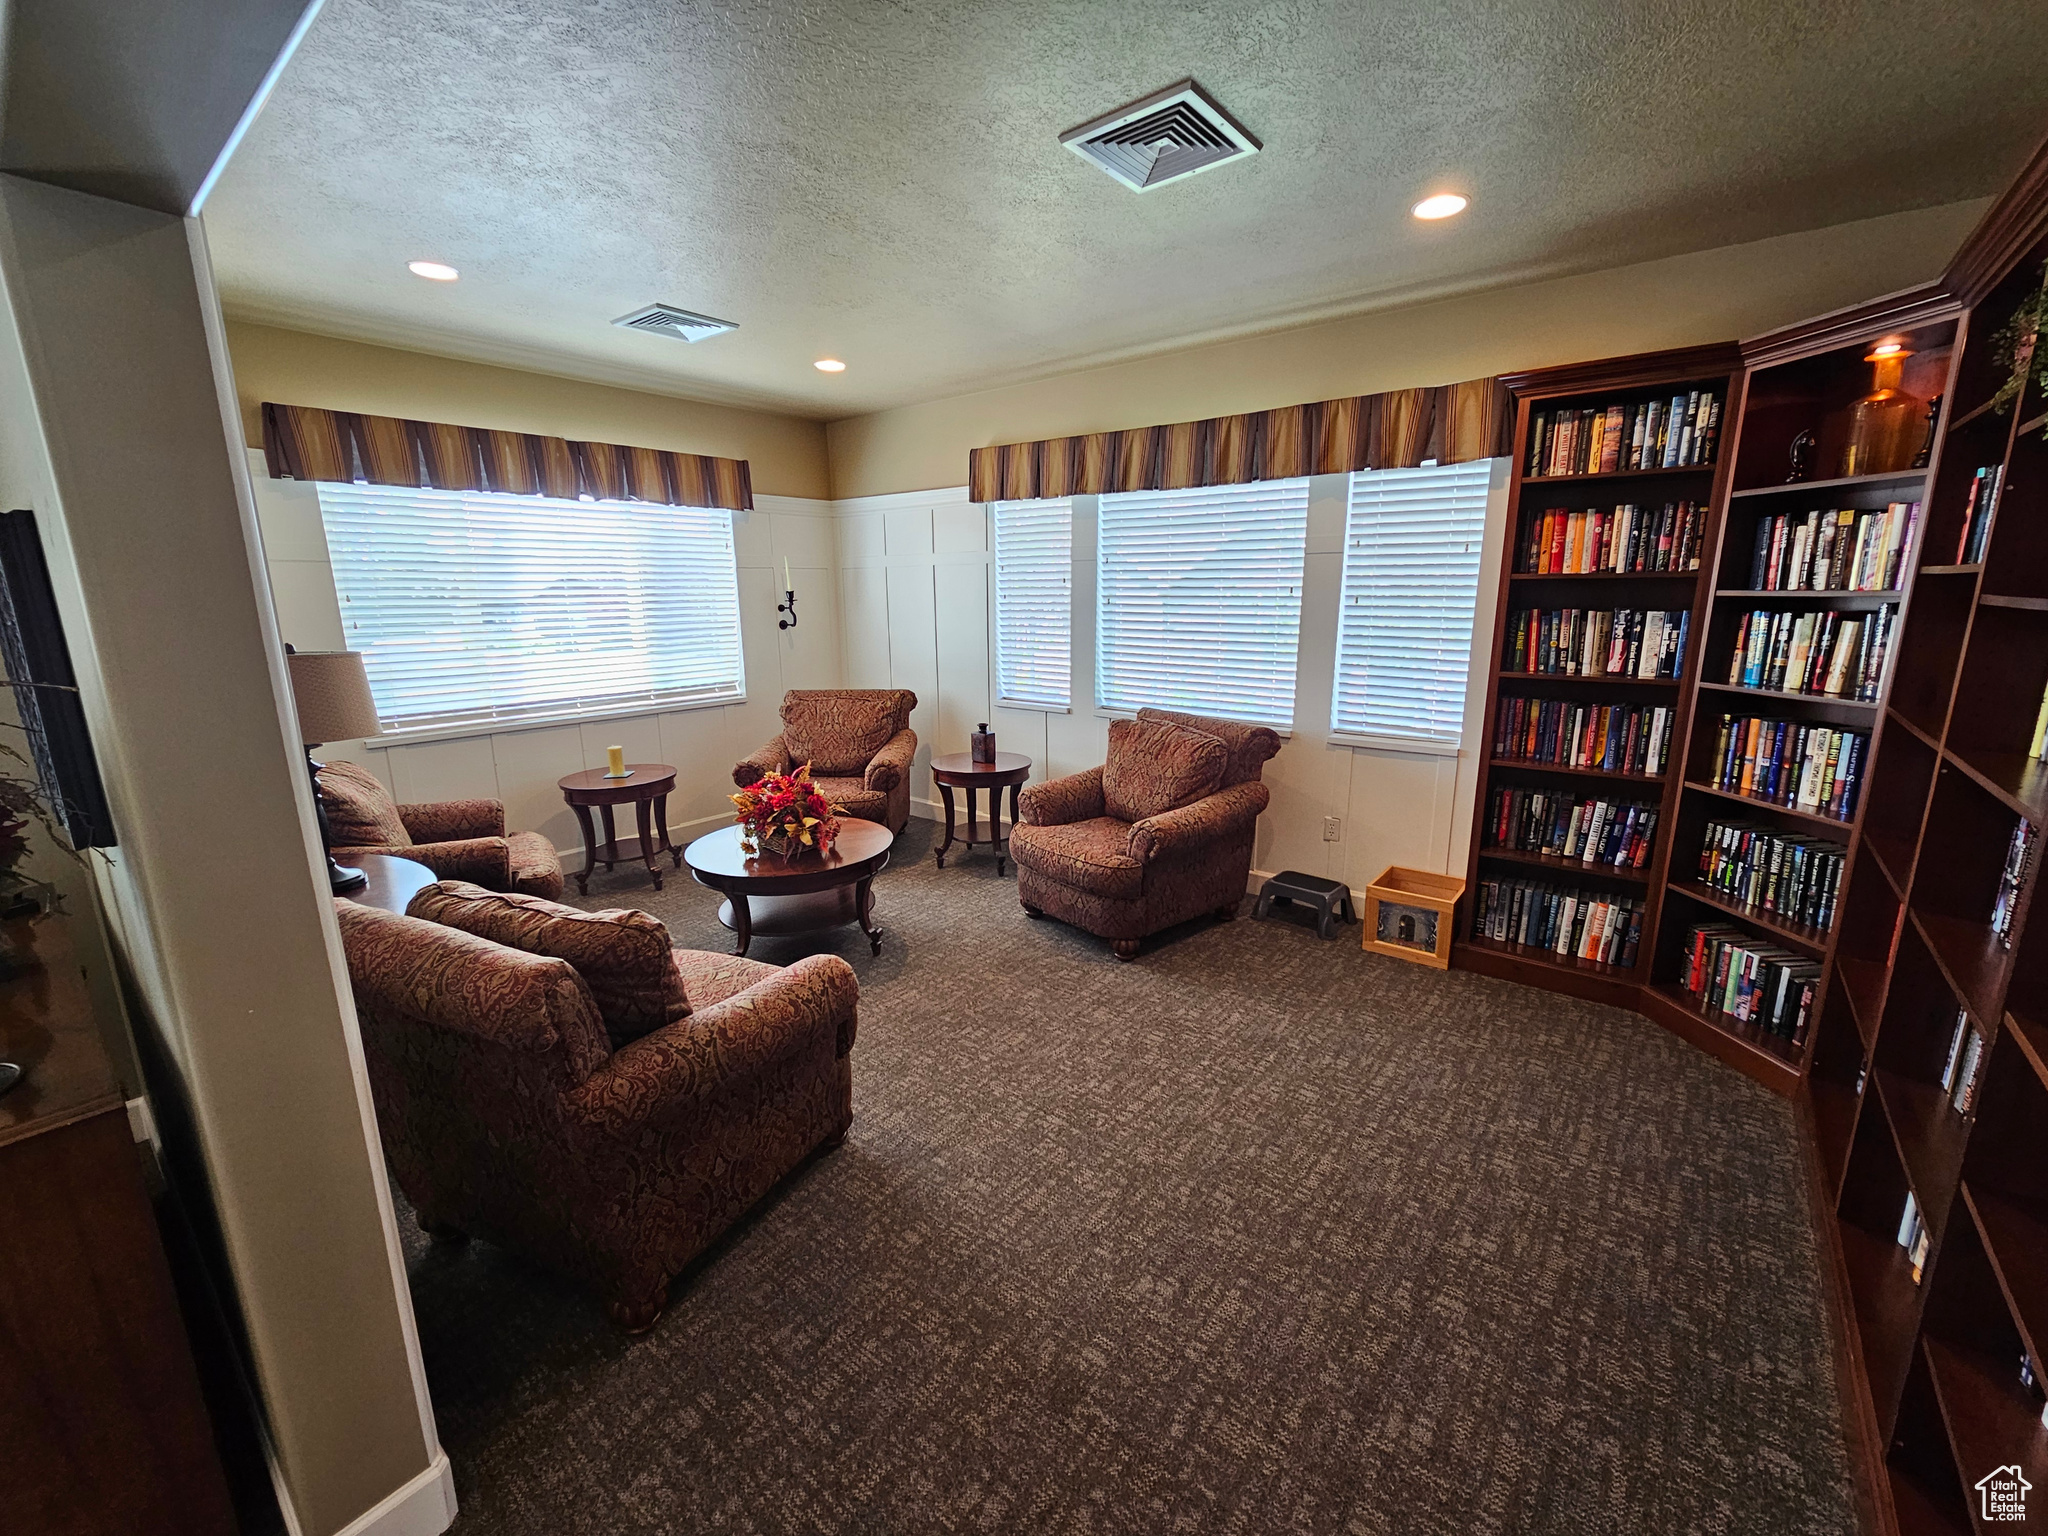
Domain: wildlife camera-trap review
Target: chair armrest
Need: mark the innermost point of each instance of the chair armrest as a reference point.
(1191, 828)
(773, 758)
(449, 821)
(484, 861)
(888, 767)
(667, 1073)
(1056, 802)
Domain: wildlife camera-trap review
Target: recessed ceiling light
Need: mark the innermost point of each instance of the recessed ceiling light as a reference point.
(437, 271)
(829, 365)
(1441, 206)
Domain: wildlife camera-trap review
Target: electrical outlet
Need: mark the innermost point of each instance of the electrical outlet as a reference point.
(1333, 828)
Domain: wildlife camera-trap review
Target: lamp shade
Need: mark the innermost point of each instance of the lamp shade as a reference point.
(333, 694)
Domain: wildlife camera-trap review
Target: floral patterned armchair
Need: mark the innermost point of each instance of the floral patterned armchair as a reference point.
(1161, 833)
(456, 839)
(858, 742)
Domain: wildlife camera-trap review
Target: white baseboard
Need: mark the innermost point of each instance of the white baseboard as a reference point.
(423, 1507)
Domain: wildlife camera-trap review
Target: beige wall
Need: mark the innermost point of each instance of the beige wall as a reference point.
(787, 453)
(1714, 295)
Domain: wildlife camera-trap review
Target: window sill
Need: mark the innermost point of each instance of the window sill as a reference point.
(470, 732)
(1407, 744)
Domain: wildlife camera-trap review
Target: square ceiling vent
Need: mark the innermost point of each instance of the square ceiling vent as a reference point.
(1170, 135)
(667, 320)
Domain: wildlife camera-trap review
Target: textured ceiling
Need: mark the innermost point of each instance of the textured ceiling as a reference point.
(884, 181)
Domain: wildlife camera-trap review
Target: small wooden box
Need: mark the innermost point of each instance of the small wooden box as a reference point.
(1408, 912)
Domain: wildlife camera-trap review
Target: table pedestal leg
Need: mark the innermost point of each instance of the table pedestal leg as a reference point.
(946, 794)
(589, 848)
(675, 854)
(611, 838)
(970, 816)
(742, 922)
(864, 902)
(995, 824)
(643, 817)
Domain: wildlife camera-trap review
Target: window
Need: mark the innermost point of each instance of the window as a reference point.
(1198, 599)
(493, 610)
(1404, 622)
(1034, 585)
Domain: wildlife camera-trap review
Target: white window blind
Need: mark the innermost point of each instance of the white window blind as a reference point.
(504, 610)
(1034, 587)
(1198, 599)
(1411, 579)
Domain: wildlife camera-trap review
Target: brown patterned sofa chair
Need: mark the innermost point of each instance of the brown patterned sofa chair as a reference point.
(456, 839)
(1160, 833)
(858, 742)
(563, 1084)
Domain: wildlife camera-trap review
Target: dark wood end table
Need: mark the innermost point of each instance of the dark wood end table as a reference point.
(646, 789)
(765, 894)
(394, 881)
(959, 770)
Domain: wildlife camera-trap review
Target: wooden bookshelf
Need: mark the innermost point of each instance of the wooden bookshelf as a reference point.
(1625, 382)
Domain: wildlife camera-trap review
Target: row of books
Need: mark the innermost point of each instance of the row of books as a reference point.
(1588, 828)
(1647, 434)
(1598, 642)
(1795, 878)
(1965, 1061)
(1831, 654)
(1624, 539)
(1834, 550)
(2019, 858)
(1813, 768)
(1583, 925)
(1618, 738)
(1979, 507)
(1914, 1236)
(1755, 983)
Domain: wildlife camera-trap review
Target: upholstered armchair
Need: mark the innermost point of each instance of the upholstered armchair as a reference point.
(858, 742)
(1160, 833)
(508, 1113)
(456, 839)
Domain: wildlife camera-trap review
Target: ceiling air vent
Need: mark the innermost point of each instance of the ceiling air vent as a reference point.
(667, 320)
(1170, 134)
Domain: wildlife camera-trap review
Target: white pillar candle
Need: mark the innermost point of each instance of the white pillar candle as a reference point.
(617, 756)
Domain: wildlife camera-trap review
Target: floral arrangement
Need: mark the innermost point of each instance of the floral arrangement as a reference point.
(2016, 348)
(784, 813)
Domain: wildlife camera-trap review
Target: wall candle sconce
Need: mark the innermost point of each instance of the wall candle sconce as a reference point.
(789, 594)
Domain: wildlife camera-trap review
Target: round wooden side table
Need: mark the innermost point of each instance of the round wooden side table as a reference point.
(959, 770)
(646, 788)
(764, 894)
(393, 881)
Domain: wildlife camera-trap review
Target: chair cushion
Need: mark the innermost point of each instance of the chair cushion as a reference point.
(360, 810)
(536, 867)
(1153, 767)
(710, 978)
(623, 957)
(838, 731)
(1092, 855)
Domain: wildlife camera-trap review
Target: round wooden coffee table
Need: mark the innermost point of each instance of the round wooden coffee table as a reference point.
(765, 894)
(959, 770)
(646, 789)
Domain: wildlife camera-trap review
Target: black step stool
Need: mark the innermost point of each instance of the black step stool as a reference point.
(1330, 898)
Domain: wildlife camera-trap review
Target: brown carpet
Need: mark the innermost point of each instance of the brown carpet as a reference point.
(1258, 1233)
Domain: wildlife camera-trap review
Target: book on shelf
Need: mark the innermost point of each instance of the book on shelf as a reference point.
(2019, 859)
(1813, 768)
(1828, 654)
(1565, 733)
(1841, 549)
(1753, 982)
(1791, 877)
(1979, 508)
(1597, 926)
(2038, 746)
(1666, 433)
(1913, 1237)
(1598, 642)
(1959, 1075)
(1590, 828)
(1624, 540)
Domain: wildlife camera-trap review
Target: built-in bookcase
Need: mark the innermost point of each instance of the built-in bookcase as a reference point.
(1646, 560)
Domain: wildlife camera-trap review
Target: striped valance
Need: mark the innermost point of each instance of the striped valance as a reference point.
(1450, 423)
(303, 442)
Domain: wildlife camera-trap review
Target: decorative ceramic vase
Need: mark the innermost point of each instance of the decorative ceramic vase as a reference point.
(1883, 426)
(981, 742)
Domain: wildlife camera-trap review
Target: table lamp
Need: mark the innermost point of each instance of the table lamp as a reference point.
(333, 695)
